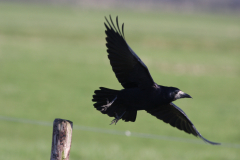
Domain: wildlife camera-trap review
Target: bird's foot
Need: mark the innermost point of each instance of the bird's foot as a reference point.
(105, 107)
(117, 118)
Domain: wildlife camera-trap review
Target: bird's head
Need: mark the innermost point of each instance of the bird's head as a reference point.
(176, 93)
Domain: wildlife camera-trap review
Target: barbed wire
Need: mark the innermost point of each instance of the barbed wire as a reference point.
(115, 132)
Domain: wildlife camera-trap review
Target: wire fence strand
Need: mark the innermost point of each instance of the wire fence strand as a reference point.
(115, 132)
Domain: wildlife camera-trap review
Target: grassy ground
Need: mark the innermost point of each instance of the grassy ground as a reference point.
(53, 58)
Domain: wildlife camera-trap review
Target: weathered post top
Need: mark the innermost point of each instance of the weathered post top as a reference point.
(61, 139)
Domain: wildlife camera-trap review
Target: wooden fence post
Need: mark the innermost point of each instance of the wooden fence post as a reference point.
(61, 139)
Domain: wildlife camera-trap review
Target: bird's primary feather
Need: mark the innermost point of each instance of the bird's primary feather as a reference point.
(127, 66)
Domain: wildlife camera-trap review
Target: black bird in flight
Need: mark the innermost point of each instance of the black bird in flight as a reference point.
(140, 91)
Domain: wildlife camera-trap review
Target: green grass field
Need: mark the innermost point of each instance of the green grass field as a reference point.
(53, 58)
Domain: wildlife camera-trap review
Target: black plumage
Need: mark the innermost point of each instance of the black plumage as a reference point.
(140, 91)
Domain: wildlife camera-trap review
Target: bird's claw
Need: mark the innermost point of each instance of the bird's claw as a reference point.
(117, 118)
(114, 121)
(105, 107)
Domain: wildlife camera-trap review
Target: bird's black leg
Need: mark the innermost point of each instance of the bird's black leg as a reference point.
(105, 107)
(117, 118)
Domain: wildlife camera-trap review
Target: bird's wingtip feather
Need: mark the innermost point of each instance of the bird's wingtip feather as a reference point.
(207, 141)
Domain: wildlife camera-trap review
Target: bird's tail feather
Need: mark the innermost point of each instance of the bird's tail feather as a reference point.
(105, 102)
(104, 97)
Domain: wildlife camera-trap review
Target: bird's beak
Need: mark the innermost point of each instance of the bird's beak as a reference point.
(185, 95)
(181, 94)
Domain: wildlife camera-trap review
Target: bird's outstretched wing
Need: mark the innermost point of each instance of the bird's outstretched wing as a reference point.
(127, 66)
(173, 115)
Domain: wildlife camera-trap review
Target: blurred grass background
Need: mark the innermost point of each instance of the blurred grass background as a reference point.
(52, 58)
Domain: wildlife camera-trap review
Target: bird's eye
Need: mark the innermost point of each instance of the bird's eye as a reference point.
(176, 92)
